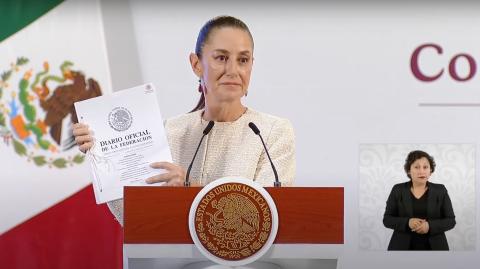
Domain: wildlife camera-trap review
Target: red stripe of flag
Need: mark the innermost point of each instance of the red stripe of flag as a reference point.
(75, 233)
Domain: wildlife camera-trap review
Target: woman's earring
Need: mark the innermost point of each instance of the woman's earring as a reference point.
(200, 85)
(246, 93)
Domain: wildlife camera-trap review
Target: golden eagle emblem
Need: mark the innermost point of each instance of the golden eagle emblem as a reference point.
(233, 221)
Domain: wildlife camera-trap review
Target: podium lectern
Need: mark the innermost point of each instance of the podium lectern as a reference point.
(156, 234)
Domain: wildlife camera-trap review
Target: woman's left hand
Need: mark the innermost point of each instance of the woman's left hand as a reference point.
(175, 175)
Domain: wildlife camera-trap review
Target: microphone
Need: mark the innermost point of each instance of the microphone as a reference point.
(205, 132)
(255, 129)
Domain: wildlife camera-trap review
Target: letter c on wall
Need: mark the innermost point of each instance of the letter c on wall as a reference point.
(414, 63)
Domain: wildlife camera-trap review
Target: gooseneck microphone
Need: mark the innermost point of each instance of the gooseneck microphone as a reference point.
(254, 128)
(205, 132)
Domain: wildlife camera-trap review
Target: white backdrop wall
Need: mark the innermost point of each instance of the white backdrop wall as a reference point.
(341, 73)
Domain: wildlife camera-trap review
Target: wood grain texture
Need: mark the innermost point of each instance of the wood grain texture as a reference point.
(307, 215)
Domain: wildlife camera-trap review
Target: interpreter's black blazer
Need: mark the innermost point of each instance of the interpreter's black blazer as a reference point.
(399, 210)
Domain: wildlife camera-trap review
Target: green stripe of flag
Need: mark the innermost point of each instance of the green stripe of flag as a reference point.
(16, 14)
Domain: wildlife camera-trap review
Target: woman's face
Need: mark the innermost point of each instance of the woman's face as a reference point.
(420, 170)
(226, 64)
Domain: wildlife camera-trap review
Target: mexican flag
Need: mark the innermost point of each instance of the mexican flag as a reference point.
(52, 54)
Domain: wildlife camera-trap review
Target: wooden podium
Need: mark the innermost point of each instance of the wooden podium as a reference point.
(156, 235)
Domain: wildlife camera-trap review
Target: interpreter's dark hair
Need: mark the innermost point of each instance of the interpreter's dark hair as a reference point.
(415, 155)
(204, 34)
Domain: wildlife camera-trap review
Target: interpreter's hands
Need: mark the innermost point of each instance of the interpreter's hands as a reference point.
(420, 226)
(423, 228)
(414, 223)
(175, 175)
(83, 136)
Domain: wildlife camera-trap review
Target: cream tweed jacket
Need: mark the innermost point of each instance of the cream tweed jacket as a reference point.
(230, 149)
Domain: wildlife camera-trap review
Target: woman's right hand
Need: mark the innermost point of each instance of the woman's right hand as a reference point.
(83, 136)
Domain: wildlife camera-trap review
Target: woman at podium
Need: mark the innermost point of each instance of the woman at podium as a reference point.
(222, 62)
(419, 211)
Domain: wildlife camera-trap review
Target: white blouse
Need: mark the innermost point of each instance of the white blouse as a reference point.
(230, 149)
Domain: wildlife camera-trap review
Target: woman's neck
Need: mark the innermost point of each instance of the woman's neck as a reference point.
(224, 113)
(419, 186)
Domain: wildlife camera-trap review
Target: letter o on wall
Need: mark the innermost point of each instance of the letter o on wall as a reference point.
(452, 67)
